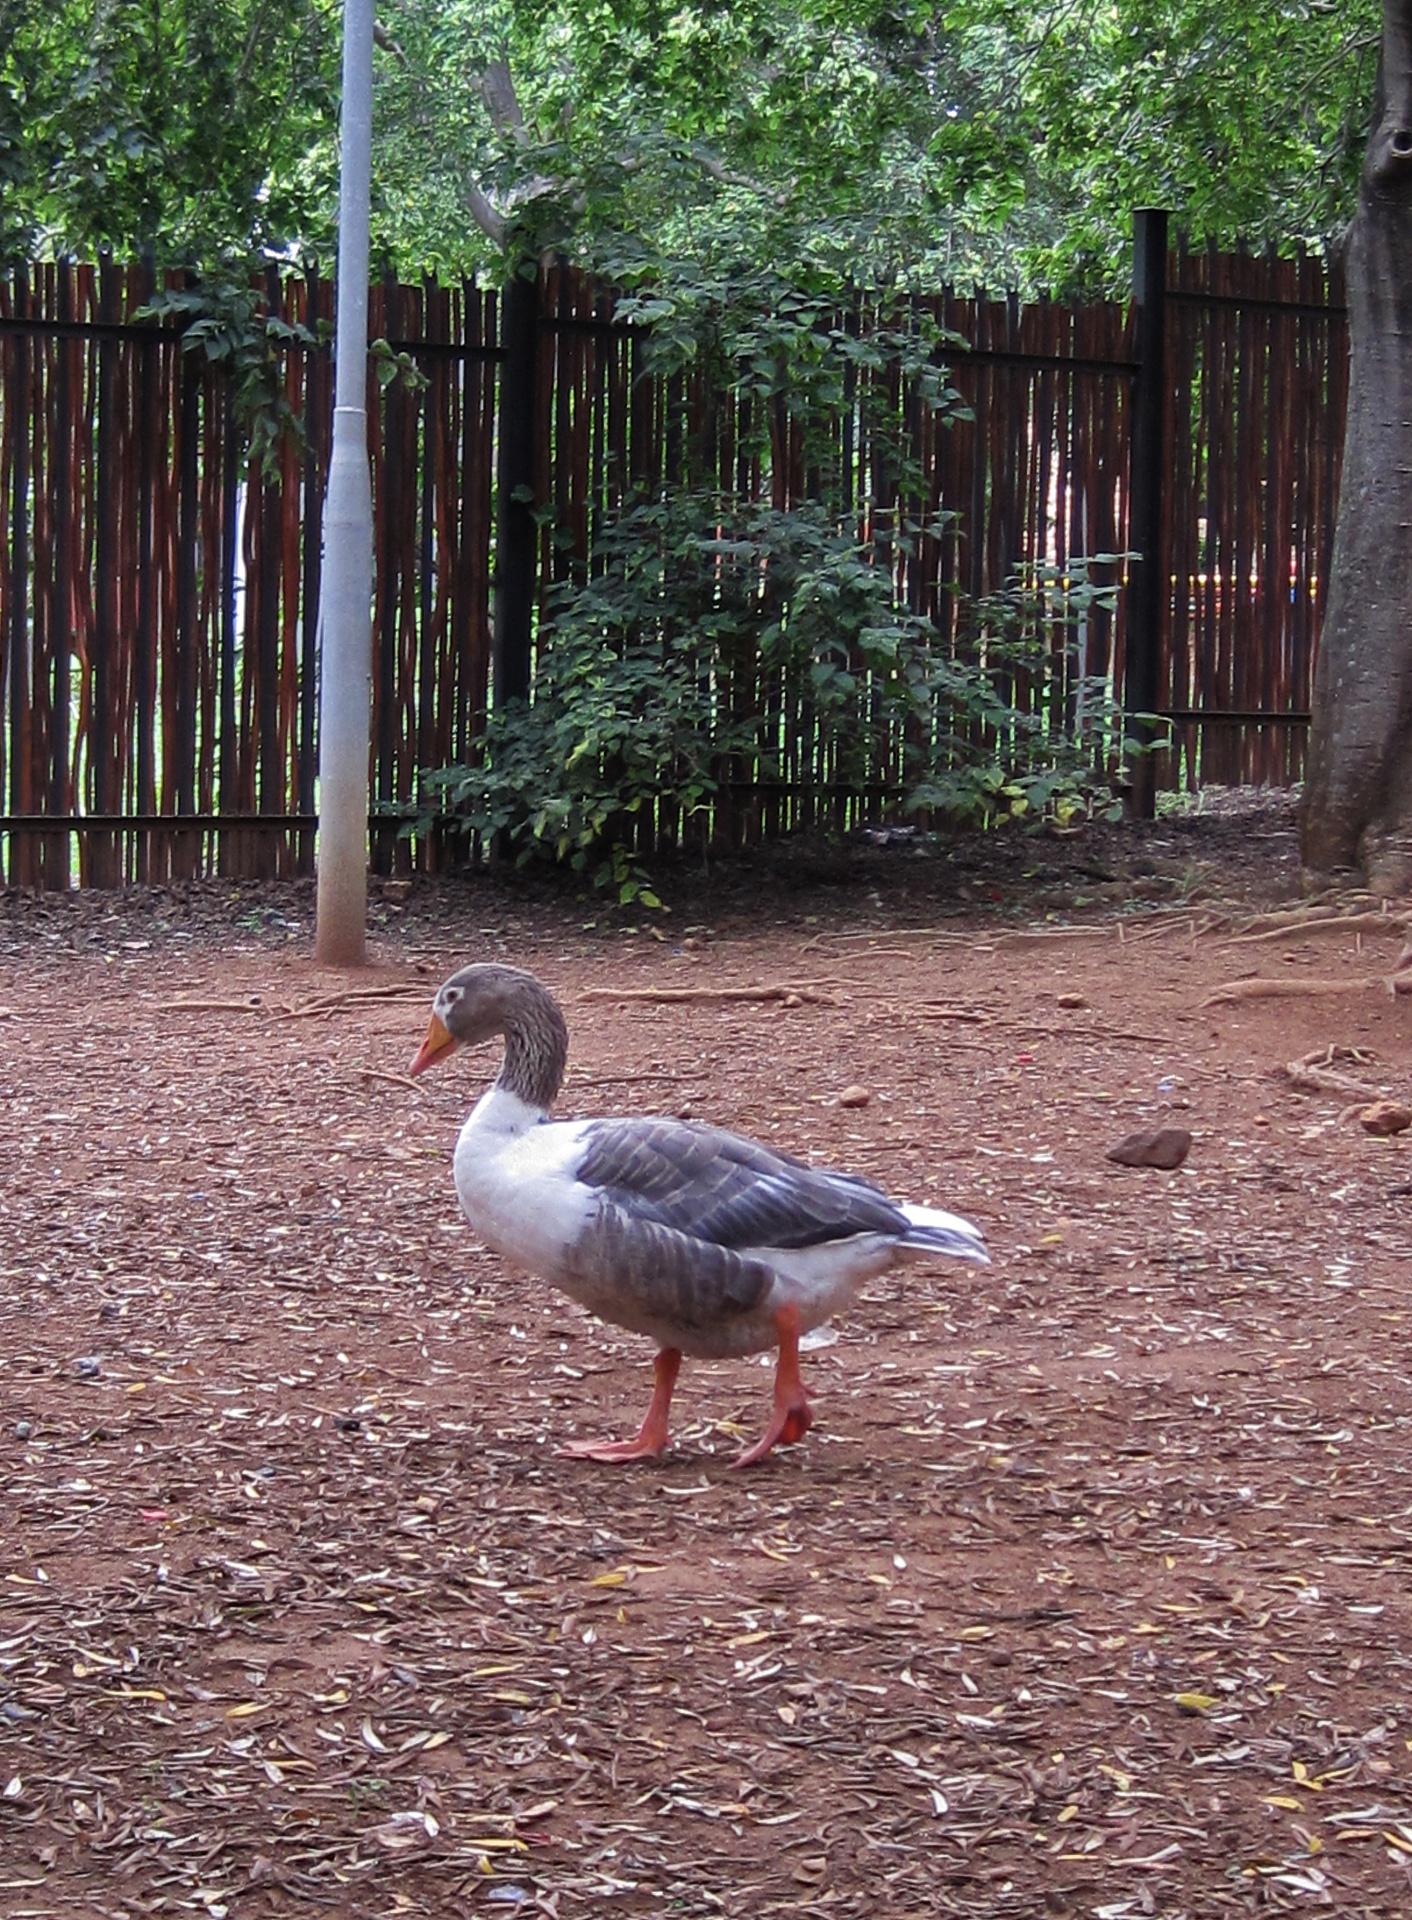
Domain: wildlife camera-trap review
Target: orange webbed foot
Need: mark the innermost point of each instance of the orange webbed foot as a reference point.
(644, 1447)
(653, 1436)
(792, 1416)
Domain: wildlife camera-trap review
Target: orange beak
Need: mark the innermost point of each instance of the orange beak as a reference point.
(437, 1042)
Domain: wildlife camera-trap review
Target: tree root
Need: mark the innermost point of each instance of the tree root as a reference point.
(1315, 1073)
(1232, 992)
(1388, 923)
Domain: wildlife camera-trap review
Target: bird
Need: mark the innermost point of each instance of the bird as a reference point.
(710, 1243)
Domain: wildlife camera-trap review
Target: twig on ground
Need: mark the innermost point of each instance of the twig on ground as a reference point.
(573, 1081)
(689, 996)
(220, 1006)
(380, 1073)
(354, 996)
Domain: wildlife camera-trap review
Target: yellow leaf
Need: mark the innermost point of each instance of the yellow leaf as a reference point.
(748, 1639)
(977, 1633)
(140, 1693)
(438, 1739)
(1196, 1702)
(498, 1845)
(244, 1710)
(484, 1673)
(1302, 1779)
(618, 1578)
(771, 1554)
(1283, 1800)
(1396, 1840)
(1065, 1814)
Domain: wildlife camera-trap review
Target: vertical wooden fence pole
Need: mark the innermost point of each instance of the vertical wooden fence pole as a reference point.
(516, 535)
(1147, 576)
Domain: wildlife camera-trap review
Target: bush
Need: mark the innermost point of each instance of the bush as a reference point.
(716, 645)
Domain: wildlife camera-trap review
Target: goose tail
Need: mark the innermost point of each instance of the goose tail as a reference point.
(932, 1231)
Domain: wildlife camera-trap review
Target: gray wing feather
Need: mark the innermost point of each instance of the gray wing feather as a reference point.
(729, 1192)
(642, 1273)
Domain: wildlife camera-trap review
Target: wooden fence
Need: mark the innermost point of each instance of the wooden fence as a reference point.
(159, 597)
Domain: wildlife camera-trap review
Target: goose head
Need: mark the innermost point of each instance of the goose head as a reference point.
(484, 1000)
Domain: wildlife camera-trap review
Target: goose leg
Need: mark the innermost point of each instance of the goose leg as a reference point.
(652, 1436)
(791, 1418)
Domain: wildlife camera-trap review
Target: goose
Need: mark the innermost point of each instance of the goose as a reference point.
(709, 1243)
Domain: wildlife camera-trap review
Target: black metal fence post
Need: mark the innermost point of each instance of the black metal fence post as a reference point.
(1148, 586)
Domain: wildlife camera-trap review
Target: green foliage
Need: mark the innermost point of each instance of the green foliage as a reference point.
(716, 646)
(906, 146)
(792, 345)
(185, 131)
(903, 145)
(1246, 120)
(226, 321)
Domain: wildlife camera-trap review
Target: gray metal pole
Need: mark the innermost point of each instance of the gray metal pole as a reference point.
(346, 618)
(1148, 583)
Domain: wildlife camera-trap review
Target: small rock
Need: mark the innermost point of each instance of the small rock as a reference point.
(88, 1368)
(23, 1430)
(854, 1096)
(1384, 1117)
(1164, 1147)
(396, 889)
(1072, 1000)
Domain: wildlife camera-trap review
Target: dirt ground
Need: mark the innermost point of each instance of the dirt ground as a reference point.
(1088, 1594)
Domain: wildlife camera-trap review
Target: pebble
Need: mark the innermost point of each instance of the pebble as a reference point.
(1072, 1000)
(854, 1096)
(1385, 1117)
(1164, 1147)
(88, 1369)
(23, 1430)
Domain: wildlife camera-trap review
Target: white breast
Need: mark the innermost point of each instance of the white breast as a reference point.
(515, 1177)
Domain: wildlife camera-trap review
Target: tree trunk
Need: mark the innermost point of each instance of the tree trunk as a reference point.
(1357, 810)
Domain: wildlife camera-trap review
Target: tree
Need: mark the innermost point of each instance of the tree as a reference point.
(1357, 809)
(187, 130)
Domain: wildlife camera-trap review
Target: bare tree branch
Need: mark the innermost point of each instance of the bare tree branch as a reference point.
(502, 103)
(490, 222)
(384, 39)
